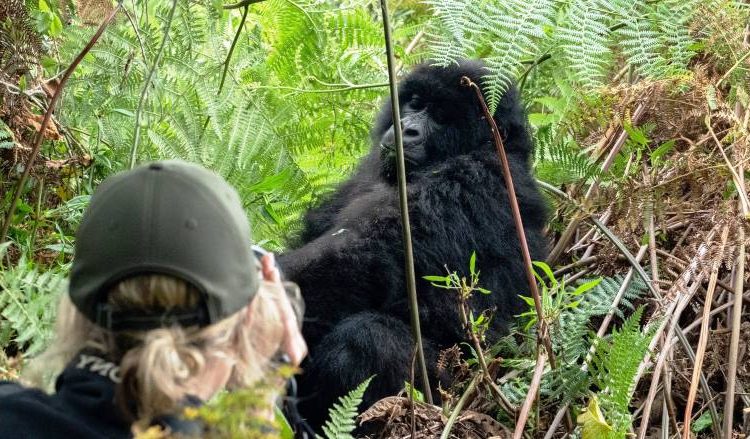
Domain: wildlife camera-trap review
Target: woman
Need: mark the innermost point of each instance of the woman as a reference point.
(167, 305)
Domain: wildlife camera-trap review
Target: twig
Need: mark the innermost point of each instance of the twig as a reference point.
(340, 88)
(137, 34)
(651, 236)
(731, 69)
(702, 340)
(502, 401)
(674, 311)
(410, 47)
(147, 84)
(226, 65)
(412, 412)
(735, 340)
(48, 116)
(241, 4)
(232, 46)
(403, 204)
(457, 409)
(629, 256)
(697, 322)
(543, 332)
(536, 379)
(744, 202)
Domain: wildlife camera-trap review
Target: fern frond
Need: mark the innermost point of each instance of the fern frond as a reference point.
(572, 339)
(516, 29)
(27, 304)
(615, 366)
(641, 44)
(342, 415)
(584, 36)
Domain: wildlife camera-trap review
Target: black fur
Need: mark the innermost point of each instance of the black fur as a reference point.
(351, 265)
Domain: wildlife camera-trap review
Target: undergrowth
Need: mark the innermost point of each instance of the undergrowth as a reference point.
(640, 115)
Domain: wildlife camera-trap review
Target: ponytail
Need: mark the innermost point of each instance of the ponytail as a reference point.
(156, 371)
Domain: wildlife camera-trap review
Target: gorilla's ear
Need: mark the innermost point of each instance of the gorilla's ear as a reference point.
(511, 118)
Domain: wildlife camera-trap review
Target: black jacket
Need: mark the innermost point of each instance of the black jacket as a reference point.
(82, 407)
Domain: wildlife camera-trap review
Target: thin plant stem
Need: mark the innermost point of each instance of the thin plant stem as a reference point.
(517, 221)
(502, 401)
(404, 205)
(536, 380)
(702, 340)
(242, 4)
(147, 84)
(232, 46)
(457, 409)
(734, 343)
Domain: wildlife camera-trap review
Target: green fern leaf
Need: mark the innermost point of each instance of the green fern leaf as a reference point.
(342, 415)
(584, 35)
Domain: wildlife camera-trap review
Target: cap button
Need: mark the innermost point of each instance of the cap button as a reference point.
(155, 166)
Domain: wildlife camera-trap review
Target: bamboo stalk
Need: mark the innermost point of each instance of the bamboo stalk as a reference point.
(404, 205)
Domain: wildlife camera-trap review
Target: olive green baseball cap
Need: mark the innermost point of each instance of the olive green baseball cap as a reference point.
(165, 217)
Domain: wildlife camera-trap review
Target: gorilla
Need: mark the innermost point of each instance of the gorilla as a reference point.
(350, 264)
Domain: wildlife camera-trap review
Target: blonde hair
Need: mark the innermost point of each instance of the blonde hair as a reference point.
(156, 365)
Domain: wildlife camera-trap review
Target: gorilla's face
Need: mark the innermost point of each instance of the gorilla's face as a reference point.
(440, 119)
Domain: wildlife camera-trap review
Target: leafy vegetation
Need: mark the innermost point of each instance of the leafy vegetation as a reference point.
(640, 114)
(342, 423)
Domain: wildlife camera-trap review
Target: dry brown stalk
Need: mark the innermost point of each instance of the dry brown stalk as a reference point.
(703, 339)
(735, 339)
(738, 181)
(543, 336)
(536, 380)
(675, 309)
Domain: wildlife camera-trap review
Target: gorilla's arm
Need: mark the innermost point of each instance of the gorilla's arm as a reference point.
(351, 267)
(321, 218)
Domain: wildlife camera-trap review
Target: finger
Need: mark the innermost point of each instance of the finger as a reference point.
(293, 344)
(268, 267)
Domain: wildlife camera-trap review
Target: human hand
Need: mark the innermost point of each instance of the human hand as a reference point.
(293, 343)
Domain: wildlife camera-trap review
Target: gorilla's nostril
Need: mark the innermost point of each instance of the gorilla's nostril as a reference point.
(411, 132)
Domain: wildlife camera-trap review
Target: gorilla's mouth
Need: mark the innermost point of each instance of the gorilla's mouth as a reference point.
(388, 155)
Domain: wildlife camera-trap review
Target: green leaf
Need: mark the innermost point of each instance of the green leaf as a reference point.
(286, 431)
(123, 111)
(341, 417)
(473, 263)
(703, 422)
(269, 209)
(272, 182)
(416, 395)
(586, 286)
(635, 134)
(659, 152)
(547, 271)
(436, 278)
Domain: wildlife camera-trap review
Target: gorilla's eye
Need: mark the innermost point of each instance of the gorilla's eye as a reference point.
(417, 102)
